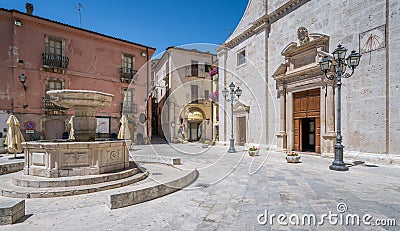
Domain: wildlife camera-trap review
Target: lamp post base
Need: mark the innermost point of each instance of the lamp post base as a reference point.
(338, 164)
(231, 146)
(337, 167)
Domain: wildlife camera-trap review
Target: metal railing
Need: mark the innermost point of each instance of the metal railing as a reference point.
(129, 108)
(128, 74)
(47, 105)
(54, 60)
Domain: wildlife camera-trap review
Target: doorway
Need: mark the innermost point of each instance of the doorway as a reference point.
(308, 134)
(54, 129)
(306, 121)
(242, 130)
(194, 131)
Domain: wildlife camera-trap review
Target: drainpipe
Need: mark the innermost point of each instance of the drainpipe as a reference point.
(12, 63)
(147, 95)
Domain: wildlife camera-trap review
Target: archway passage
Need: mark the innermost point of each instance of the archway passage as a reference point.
(194, 121)
(306, 121)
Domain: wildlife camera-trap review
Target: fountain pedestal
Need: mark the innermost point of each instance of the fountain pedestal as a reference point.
(60, 159)
(85, 156)
(85, 121)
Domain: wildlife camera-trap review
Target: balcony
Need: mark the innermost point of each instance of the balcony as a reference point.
(55, 61)
(129, 108)
(128, 74)
(51, 107)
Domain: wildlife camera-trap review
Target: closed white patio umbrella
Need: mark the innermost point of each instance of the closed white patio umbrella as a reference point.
(124, 133)
(14, 137)
(71, 131)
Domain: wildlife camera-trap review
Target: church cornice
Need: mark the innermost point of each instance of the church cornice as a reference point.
(263, 22)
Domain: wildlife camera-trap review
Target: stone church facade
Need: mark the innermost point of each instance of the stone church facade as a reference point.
(287, 103)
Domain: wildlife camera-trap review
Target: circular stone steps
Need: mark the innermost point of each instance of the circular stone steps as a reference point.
(8, 189)
(42, 182)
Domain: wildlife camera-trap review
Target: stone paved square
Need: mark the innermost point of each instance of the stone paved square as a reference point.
(232, 190)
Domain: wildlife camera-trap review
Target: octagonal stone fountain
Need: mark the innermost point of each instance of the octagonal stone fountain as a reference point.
(56, 168)
(84, 156)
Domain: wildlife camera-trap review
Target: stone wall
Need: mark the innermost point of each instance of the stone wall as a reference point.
(370, 109)
(250, 77)
(393, 32)
(363, 95)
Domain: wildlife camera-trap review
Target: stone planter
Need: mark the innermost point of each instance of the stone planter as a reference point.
(293, 159)
(254, 153)
(204, 145)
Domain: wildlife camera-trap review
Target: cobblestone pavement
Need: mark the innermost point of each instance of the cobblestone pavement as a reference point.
(232, 191)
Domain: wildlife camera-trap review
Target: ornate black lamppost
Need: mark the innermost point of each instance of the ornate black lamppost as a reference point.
(338, 72)
(234, 96)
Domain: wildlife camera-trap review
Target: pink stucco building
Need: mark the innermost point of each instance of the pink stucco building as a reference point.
(38, 54)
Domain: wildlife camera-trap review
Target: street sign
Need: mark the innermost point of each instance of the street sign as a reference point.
(29, 125)
(30, 131)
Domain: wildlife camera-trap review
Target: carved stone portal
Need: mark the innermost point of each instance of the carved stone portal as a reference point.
(300, 74)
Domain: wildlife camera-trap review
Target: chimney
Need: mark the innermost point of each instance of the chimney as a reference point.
(29, 8)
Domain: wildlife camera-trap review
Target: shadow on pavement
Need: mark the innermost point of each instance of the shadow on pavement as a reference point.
(158, 140)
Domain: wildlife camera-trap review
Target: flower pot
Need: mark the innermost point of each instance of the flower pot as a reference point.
(253, 153)
(293, 159)
(204, 145)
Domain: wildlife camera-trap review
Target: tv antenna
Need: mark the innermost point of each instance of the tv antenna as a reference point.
(79, 7)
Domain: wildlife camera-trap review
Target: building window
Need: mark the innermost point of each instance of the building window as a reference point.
(54, 54)
(127, 63)
(127, 70)
(195, 68)
(194, 93)
(207, 68)
(241, 57)
(128, 105)
(54, 46)
(206, 94)
(54, 84)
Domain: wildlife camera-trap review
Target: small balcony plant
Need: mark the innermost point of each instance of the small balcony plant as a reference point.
(292, 157)
(214, 96)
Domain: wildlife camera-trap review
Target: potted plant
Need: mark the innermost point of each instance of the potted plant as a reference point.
(206, 143)
(253, 151)
(292, 157)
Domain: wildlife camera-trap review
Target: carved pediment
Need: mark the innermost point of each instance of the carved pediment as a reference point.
(280, 71)
(289, 49)
(302, 57)
(240, 107)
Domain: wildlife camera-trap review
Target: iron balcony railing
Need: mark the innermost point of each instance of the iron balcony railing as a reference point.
(47, 105)
(127, 74)
(53, 60)
(129, 108)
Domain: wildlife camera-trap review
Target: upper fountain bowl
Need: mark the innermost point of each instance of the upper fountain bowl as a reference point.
(80, 98)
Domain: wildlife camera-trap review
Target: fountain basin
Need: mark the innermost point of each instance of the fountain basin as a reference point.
(80, 98)
(84, 103)
(63, 159)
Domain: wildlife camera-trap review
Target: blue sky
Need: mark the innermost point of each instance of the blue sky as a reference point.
(154, 23)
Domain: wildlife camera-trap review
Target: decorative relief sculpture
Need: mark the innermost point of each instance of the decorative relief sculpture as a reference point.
(302, 35)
